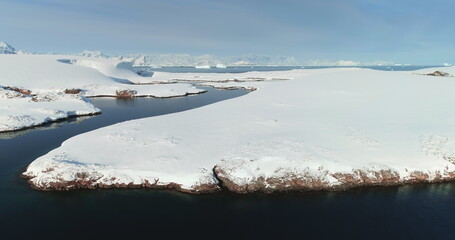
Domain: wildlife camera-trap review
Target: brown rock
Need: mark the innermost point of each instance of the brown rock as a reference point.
(20, 90)
(73, 91)
(438, 74)
(125, 93)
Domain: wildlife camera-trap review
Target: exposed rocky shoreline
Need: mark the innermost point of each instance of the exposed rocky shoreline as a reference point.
(90, 183)
(357, 179)
(328, 129)
(292, 183)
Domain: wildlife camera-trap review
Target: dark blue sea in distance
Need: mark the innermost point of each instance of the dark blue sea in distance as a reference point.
(404, 212)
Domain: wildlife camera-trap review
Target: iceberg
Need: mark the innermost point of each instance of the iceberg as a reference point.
(203, 66)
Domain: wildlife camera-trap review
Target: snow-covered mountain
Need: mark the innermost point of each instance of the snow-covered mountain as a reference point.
(189, 60)
(169, 60)
(5, 48)
(95, 54)
(179, 59)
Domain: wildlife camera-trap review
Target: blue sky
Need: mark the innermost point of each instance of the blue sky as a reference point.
(400, 31)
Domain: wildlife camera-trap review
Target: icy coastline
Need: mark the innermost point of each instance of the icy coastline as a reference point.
(88, 77)
(38, 89)
(324, 129)
(20, 111)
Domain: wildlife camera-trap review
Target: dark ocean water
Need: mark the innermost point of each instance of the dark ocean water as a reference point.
(406, 212)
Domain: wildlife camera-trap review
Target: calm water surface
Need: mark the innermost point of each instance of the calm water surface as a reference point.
(243, 69)
(417, 212)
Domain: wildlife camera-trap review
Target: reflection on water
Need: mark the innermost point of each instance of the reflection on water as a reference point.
(47, 126)
(125, 101)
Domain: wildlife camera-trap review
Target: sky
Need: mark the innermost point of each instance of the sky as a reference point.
(404, 31)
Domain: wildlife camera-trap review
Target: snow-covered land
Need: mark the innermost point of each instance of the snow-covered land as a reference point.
(323, 129)
(44, 72)
(224, 77)
(35, 89)
(19, 111)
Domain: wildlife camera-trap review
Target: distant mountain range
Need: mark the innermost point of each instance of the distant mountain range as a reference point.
(204, 60)
(158, 60)
(5, 48)
(96, 54)
(178, 59)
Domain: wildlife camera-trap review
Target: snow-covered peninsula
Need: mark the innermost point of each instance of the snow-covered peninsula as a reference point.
(36, 89)
(39, 88)
(322, 129)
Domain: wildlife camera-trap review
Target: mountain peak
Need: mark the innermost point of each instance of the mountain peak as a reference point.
(95, 54)
(5, 48)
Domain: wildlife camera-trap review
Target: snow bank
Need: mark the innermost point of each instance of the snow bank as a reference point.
(325, 129)
(226, 77)
(49, 72)
(50, 76)
(118, 70)
(18, 111)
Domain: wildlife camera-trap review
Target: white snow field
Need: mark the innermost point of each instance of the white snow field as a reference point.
(19, 111)
(44, 79)
(44, 72)
(224, 77)
(324, 129)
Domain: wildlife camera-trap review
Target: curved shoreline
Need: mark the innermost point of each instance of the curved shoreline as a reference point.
(291, 185)
(276, 140)
(95, 113)
(146, 96)
(51, 121)
(132, 97)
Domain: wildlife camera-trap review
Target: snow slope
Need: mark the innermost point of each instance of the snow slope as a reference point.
(56, 72)
(5, 48)
(325, 129)
(44, 72)
(120, 71)
(49, 76)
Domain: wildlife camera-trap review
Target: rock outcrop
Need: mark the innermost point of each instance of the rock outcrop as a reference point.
(306, 182)
(438, 74)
